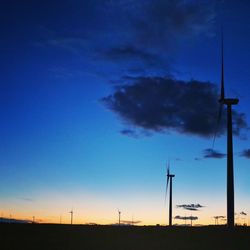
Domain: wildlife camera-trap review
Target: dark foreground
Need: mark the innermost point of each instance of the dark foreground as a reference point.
(62, 237)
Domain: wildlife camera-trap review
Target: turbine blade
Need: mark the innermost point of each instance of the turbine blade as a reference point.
(217, 123)
(166, 191)
(222, 91)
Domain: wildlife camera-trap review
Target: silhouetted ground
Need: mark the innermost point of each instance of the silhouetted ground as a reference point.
(62, 237)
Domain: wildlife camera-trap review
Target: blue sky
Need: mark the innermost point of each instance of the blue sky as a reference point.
(61, 144)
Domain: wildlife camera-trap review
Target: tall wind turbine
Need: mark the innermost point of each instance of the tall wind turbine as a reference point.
(169, 179)
(71, 216)
(228, 102)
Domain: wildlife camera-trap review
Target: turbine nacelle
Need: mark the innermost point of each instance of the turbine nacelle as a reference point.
(229, 101)
(170, 175)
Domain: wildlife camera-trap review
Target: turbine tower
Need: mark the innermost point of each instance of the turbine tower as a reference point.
(228, 102)
(71, 216)
(169, 179)
(119, 217)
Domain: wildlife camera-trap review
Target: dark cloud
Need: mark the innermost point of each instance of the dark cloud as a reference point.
(153, 30)
(178, 217)
(162, 104)
(134, 133)
(219, 217)
(240, 122)
(246, 153)
(146, 31)
(129, 132)
(160, 23)
(211, 153)
(243, 213)
(192, 207)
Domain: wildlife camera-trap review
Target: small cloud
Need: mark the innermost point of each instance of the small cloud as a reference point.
(219, 217)
(129, 132)
(192, 207)
(178, 217)
(211, 153)
(246, 153)
(243, 213)
(197, 159)
(135, 134)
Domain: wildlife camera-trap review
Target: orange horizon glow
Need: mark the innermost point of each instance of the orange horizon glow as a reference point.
(112, 218)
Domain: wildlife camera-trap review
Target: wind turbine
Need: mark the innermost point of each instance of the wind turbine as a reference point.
(217, 217)
(71, 216)
(228, 102)
(169, 179)
(119, 217)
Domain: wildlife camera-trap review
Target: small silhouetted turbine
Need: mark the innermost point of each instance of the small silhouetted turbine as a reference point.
(119, 217)
(169, 180)
(71, 216)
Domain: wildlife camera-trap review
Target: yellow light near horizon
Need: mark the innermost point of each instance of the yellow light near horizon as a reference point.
(90, 208)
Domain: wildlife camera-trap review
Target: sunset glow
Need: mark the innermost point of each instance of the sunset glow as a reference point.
(98, 96)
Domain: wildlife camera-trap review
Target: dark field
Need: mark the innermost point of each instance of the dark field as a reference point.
(62, 237)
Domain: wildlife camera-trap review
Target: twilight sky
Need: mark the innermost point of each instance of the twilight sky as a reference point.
(97, 95)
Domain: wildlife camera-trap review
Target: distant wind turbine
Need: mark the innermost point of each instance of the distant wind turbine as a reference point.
(244, 217)
(169, 179)
(216, 219)
(119, 217)
(71, 216)
(191, 218)
(230, 170)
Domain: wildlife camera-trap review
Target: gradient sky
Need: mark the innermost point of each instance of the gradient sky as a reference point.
(68, 141)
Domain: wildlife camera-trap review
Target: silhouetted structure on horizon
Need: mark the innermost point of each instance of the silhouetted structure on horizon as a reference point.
(169, 179)
(217, 218)
(71, 216)
(185, 218)
(119, 217)
(230, 170)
